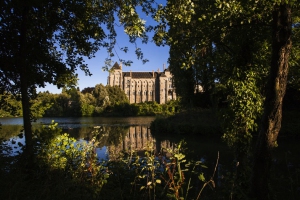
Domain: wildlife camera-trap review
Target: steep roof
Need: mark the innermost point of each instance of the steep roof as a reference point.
(116, 66)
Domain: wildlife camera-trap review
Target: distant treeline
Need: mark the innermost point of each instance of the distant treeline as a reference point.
(93, 101)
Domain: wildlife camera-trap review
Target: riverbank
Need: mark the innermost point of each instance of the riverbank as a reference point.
(188, 122)
(205, 122)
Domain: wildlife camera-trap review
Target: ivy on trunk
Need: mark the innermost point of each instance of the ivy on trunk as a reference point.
(275, 90)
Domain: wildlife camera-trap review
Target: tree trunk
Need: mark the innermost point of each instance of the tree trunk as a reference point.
(23, 72)
(26, 119)
(275, 90)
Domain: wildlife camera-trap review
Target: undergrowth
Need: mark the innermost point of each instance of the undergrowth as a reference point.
(68, 169)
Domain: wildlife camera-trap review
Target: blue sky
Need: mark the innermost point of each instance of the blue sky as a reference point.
(157, 56)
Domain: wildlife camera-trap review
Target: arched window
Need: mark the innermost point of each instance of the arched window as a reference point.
(128, 83)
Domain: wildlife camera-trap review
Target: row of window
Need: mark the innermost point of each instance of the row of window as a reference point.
(138, 85)
(139, 92)
(128, 81)
(132, 85)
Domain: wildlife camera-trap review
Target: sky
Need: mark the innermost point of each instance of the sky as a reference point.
(157, 56)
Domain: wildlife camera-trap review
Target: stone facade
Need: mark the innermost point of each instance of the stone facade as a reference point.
(143, 86)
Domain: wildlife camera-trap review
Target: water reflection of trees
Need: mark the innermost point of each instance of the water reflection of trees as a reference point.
(115, 137)
(105, 135)
(111, 135)
(9, 131)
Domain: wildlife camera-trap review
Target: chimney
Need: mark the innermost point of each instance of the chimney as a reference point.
(153, 73)
(130, 73)
(158, 70)
(164, 66)
(120, 65)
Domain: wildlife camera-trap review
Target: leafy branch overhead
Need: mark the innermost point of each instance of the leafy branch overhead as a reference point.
(240, 53)
(45, 42)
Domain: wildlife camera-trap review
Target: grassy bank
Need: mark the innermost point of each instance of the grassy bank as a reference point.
(188, 122)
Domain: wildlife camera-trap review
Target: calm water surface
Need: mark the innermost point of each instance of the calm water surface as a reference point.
(123, 133)
(79, 127)
(77, 122)
(118, 133)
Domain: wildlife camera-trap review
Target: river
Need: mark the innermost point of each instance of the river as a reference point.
(121, 132)
(125, 133)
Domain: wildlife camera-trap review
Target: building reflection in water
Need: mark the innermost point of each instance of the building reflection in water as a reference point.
(138, 139)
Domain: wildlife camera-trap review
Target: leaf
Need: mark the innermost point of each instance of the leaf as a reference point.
(158, 181)
(203, 166)
(198, 162)
(201, 177)
(20, 144)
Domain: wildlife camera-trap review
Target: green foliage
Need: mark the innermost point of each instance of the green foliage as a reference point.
(123, 109)
(116, 95)
(147, 170)
(7, 131)
(136, 26)
(101, 95)
(164, 175)
(87, 104)
(45, 42)
(10, 105)
(228, 47)
(153, 108)
(39, 105)
(87, 27)
(71, 102)
(142, 109)
(101, 100)
(76, 160)
(244, 108)
(60, 105)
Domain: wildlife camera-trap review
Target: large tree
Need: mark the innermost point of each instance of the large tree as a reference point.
(275, 91)
(46, 41)
(244, 46)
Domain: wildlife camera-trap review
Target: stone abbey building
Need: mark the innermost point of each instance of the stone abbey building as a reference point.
(143, 86)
